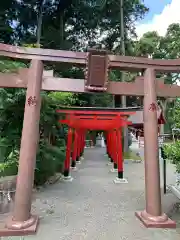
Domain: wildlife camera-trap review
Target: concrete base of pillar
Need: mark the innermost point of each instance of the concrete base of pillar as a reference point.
(73, 164)
(78, 162)
(114, 170)
(175, 190)
(74, 168)
(157, 222)
(109, 163)
(19, 228)
(120, 180)
(67, 179)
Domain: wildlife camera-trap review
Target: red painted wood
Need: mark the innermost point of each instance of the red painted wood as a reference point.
(68, 150)
(74, 155)
(94, 124)
(119, 150)
(92, 113)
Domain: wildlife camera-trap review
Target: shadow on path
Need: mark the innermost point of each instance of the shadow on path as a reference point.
(92, 207)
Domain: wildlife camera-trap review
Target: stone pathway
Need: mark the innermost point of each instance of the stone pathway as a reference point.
(92, 207)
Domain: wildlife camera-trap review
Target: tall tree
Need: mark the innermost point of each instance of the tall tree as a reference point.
(74, 25)
(168, 47)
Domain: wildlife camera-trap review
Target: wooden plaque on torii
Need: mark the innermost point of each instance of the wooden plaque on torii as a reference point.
(96, 75)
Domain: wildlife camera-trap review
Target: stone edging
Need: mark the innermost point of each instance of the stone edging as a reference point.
(8, 183)
(53, 179)
(7, 192)
(175, 190)
(126, 161)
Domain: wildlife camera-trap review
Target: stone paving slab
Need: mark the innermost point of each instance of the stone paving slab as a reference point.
(92, 207)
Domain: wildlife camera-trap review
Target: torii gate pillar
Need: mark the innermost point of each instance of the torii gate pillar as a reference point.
(22, 221)
(152, 216)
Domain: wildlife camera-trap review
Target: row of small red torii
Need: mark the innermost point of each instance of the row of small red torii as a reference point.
(80, 121)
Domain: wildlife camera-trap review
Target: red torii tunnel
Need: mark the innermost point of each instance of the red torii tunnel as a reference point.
(79, 121)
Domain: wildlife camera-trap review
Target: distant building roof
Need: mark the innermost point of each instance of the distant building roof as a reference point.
(137, 118)
(101, 109)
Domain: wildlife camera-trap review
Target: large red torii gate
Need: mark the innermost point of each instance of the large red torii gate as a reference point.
(82, 120)
(96, 65)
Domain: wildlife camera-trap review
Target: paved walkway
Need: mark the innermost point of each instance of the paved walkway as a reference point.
(92, 207)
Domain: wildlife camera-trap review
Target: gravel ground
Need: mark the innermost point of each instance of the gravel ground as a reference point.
(93, 207)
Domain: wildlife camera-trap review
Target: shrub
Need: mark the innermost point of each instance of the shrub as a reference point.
(5, 149)
(10, 167)
(50, 160)
(172, 152)
(50, 157)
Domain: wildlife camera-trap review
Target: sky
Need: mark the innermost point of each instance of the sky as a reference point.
(161, 14)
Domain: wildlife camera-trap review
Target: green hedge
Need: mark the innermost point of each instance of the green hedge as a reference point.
(10, 166)
(8, 169)
(49, 160)
(173, 154)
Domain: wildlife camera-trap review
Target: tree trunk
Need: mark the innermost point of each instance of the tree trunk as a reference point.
(61, 29)
(39, 23)
(123, 98)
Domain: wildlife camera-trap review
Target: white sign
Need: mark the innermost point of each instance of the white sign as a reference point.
(160, 140)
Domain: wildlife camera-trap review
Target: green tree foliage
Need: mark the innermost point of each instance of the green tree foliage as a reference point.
(60, 24)
(11, 120)
(154, 46)
(172, 150)
(148, 45)
(75, 25)
(51, 153)
(168, 47)
(174, 113)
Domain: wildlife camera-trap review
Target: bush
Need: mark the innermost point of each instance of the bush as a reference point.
(5, 149)
(50, 160)
(10, 167)
(172, 152)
